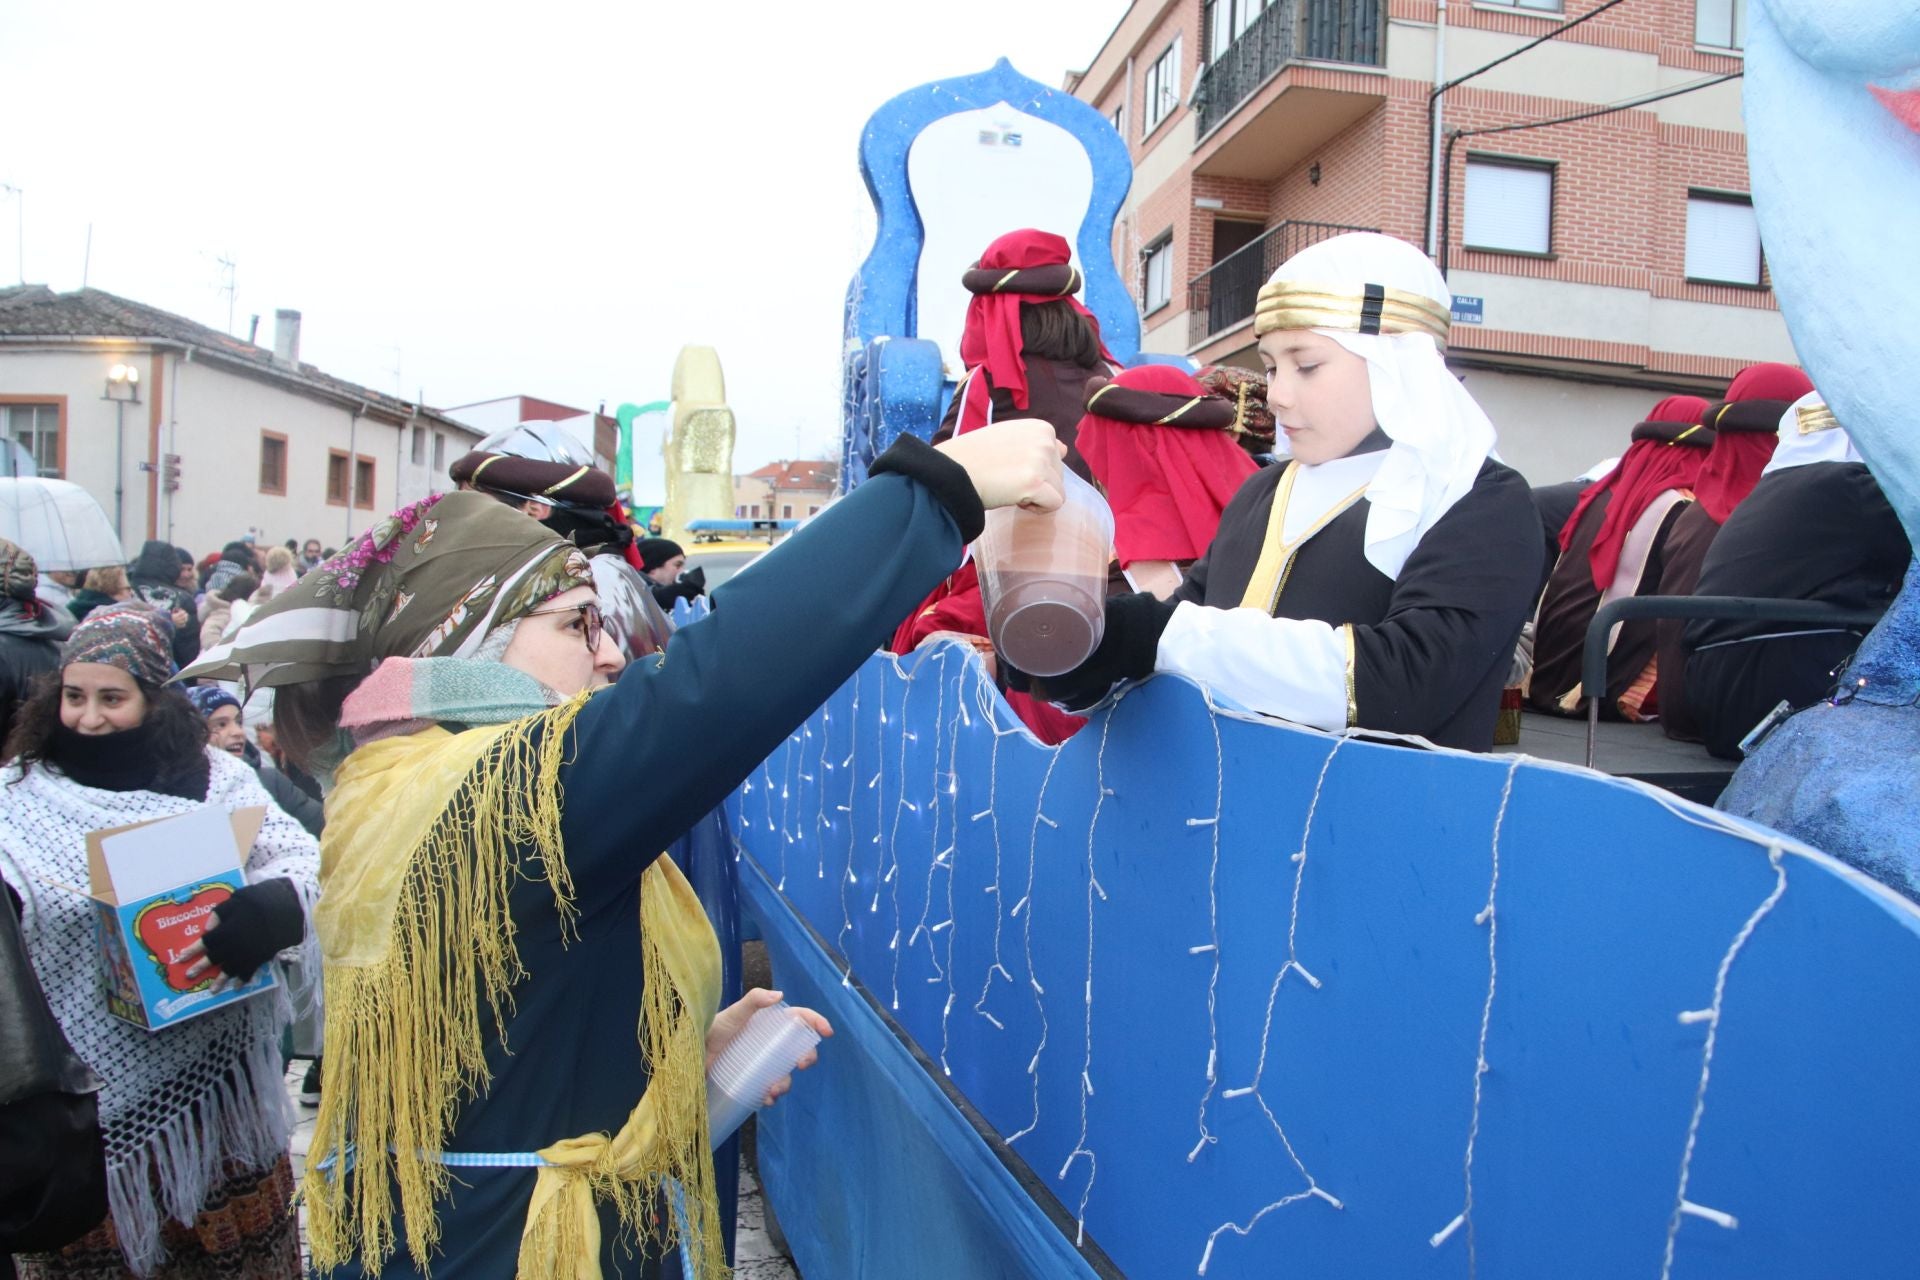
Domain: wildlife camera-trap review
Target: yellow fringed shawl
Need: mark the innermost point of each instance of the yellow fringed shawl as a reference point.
(426, 835)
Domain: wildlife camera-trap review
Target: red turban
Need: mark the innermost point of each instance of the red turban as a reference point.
(1746, 427)
(1158, 443)
(1026, 266)
(1667, 452)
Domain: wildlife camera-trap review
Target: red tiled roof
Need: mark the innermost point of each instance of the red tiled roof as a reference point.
(805, 474)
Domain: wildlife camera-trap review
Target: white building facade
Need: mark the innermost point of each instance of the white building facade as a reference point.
(184, 434)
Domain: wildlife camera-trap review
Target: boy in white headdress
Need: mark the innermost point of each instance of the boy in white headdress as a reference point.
(1381, 576)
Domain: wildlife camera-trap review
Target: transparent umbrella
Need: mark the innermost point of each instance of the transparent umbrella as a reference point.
(59, 523)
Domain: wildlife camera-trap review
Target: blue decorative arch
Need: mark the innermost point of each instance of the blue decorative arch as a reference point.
(881, 299)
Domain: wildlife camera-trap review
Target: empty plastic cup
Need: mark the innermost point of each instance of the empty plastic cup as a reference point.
(773, 1041)
(1043, 580)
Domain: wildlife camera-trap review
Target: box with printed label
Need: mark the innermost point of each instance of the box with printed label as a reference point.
(154, 884)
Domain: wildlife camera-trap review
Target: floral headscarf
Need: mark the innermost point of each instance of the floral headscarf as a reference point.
(429, 581)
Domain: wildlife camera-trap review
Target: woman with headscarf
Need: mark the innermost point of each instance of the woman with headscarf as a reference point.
(195, 1115)
(1029, 345)
(1816, 527)
(1609, 547)
(1380, 578)
(1746, 427)
(31, 631)
(1158, 445)
(498, 917)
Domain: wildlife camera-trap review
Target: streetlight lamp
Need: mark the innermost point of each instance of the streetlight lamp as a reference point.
(123, 388)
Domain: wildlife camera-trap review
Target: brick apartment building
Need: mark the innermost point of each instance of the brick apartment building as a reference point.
(1595, 264)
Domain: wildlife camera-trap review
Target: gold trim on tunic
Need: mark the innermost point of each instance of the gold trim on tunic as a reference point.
(1293, 304)
(1275, 564)
(1353, 701)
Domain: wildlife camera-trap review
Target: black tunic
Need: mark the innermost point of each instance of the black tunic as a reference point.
(1822, 531)
(1433, 647)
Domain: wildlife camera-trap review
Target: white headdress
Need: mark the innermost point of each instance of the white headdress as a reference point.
(1386, 302)
(1809, 433)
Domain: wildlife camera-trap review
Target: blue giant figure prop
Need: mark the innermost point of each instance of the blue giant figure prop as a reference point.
(896, 373)
(1832, 113)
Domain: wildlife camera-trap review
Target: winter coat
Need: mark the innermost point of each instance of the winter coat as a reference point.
(153, 575)
(86, 600)
(30, 637)
(218, 614)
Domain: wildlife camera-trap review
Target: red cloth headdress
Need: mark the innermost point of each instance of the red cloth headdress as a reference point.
(1026, 266)
(1746, 428)
(1667, 452)
(1158, 443)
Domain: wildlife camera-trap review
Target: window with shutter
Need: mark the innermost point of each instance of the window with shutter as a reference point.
(1157, 275)
(1720, 24)
(1509, 206)
(1723, 239)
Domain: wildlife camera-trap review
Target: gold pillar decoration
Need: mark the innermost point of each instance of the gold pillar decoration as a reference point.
(699, 444)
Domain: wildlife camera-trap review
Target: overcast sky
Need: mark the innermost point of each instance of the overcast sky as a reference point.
(547, 199)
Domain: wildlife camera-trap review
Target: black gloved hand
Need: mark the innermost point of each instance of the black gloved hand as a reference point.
(257, 923)
(694, 581)
(1126, 652)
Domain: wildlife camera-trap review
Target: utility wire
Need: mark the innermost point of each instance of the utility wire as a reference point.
(1562, 28)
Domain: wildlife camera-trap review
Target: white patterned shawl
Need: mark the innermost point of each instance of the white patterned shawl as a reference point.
(181, 1101)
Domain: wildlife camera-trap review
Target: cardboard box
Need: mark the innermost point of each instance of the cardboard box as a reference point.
(153, 884)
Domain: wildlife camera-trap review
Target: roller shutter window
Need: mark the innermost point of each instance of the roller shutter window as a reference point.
(1509, 206)
(1723, 239)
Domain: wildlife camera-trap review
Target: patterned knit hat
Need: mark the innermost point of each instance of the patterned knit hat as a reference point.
(19, 576)
(209, 698)
(132, 636)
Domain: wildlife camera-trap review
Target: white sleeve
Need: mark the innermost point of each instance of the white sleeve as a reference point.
(1297, 669)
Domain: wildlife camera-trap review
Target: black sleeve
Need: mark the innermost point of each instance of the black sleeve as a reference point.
(1193, 586)
(1456, 610)
(681, 729)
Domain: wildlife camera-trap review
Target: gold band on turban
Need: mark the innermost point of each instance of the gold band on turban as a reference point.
(1293, 304)
(1815, 417)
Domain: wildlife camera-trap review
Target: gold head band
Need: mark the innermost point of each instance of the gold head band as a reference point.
(1814, 418)
(1293, 304)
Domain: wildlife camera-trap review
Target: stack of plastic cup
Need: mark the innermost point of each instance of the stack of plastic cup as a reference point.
(771, 1044)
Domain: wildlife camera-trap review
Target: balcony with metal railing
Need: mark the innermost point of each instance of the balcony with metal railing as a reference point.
(1224, 294)
(1286, 85)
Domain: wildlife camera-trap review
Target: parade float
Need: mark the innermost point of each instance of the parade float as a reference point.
(1203, 993)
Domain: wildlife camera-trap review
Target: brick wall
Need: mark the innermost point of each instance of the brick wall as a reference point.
(1621, 180)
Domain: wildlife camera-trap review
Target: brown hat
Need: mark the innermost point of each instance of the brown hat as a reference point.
(19, 576)
(535, 460)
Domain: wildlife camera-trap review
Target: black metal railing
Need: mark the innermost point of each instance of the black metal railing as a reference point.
(1224, 294)
(1324, 30)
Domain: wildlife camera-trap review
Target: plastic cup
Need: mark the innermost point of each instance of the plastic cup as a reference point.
(1043, 580)
(768, 1047)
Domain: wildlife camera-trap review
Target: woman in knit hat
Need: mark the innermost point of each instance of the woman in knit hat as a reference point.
(499, 918)
(1380, 579)
(195, 1115)
(30, 631)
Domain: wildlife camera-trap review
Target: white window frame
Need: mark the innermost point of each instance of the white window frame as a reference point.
(1735, 13)
(439, 451)
(1156, 258)
(1468, 220)
(1162, 90)
(1699, 263)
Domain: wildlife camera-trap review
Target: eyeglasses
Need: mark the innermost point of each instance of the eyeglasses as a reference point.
(590, 619)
